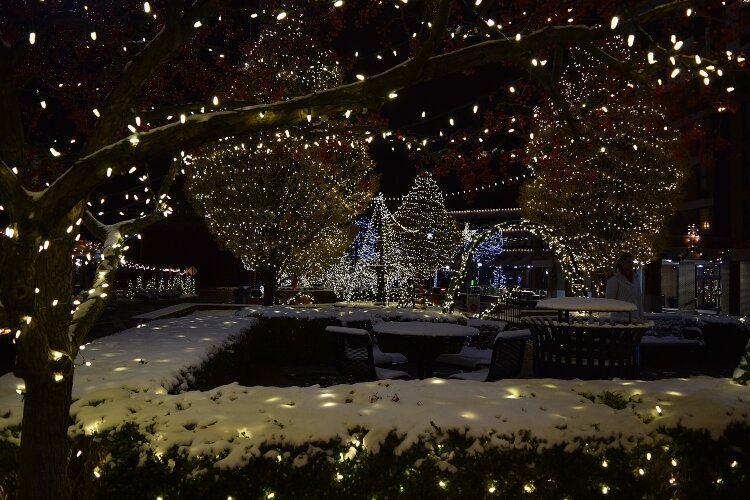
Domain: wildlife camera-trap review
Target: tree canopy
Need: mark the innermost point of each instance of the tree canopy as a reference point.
(609, 184)
(426, 235)
(285, 210)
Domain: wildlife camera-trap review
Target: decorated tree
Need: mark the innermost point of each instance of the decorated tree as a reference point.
(284, 202)
(371, 268)
(97, 97)
(426, 235)
(284, 210)
(485, 250)
(607, 185)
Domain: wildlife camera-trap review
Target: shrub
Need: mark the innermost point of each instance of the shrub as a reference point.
(679, 463)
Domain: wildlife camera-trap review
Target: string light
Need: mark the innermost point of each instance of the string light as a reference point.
(630, 151)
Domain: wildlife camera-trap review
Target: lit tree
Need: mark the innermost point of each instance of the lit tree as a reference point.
(94, 94)
(285, 211)
(372, 268)
(426, 235)
(607, 185)
(283, 202)
(487, 249)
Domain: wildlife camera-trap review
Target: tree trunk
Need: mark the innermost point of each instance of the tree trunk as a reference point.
(44, 441)
(37, 290)
(269, 293)
(271, 285)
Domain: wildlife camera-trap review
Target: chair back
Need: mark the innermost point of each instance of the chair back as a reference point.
(507, 354)
(586, 350)
(354, 356)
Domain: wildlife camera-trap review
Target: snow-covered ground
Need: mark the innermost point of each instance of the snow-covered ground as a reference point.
(131, 372)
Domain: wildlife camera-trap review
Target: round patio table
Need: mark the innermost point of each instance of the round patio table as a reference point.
(421, 342)
(564, 305)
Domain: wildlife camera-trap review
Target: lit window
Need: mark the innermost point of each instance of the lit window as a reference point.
(704, 217)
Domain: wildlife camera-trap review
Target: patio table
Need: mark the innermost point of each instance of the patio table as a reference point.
(421, 342)
(564, 306)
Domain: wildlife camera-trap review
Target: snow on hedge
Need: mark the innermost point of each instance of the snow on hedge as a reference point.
(131, 372)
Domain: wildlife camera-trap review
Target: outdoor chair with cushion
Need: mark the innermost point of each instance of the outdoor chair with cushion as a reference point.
(507, 358)
(354, 355)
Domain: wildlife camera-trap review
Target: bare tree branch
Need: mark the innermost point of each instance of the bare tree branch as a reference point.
(14, 196)
(115, 110)
(88, 312)
(137, 225)
(90, 171)
(439, 25)
(96, 228)
(112, 237)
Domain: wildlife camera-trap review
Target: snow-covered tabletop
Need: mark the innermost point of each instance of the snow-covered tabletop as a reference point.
(424, 329)
(594, 304)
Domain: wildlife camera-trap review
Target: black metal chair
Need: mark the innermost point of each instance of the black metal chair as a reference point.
(590, 350)
(354, 356)
(507, 358)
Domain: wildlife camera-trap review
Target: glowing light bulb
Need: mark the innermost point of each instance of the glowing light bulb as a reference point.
(613, 22)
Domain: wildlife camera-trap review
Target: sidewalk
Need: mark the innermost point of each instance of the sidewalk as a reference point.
(120, 314)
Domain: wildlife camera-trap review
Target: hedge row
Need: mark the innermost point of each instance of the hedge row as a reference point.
(683, 464)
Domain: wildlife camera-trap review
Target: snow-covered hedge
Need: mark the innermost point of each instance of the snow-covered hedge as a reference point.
(434, 438)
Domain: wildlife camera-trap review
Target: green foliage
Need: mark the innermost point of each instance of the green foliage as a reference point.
(449, 463)
(264, 349)
(614, 399)
(725, 342)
